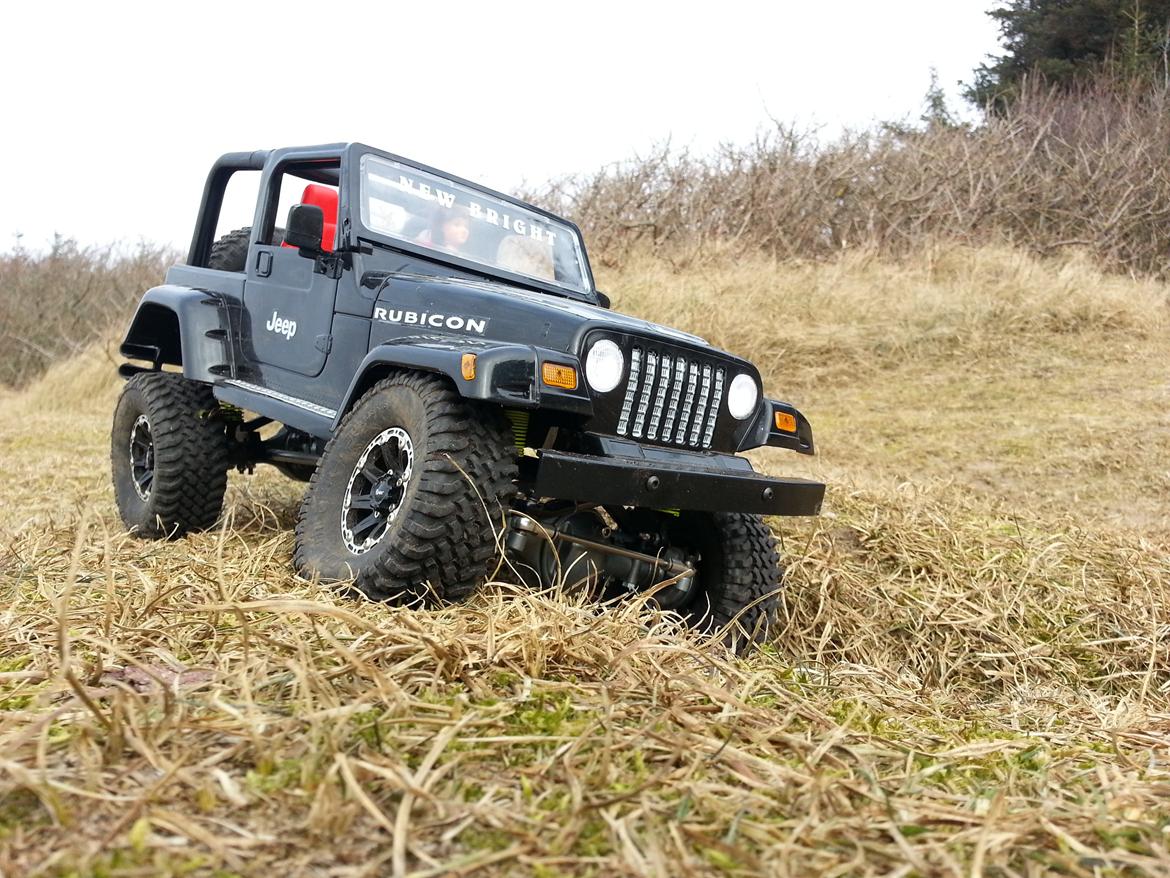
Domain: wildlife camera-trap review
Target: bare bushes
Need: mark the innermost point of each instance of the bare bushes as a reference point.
(56, 304)
(1088, 169)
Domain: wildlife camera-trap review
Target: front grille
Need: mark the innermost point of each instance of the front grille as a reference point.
(671, 398)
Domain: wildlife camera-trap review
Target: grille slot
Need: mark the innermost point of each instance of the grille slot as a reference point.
(713, 415)
(671, 398)
(704, 395)
(631, 390)
(684, 415)
(647, 392)
(660, 397)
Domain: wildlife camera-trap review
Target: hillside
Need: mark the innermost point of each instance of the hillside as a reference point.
(971, 677)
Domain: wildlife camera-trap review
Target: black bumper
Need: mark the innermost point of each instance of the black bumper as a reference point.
(710, 483)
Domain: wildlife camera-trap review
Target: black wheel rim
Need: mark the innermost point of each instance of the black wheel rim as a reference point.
(142, 457)
(376, 489)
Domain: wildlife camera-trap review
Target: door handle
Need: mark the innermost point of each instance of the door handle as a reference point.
(373, 280)
(264, 263)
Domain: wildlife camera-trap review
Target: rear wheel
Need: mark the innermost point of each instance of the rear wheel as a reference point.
(169, 459)
(409, 494)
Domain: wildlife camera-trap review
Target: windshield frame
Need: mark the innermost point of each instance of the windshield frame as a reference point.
(357, 151)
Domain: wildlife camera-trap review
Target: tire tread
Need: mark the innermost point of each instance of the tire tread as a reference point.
(751, 577)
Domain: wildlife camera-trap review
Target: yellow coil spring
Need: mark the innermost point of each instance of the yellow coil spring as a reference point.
(519, 419)
(230, 413)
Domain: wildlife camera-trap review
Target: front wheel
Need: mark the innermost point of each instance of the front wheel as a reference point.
(739, 575)
(409, 493)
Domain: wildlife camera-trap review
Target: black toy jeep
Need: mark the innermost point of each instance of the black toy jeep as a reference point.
(433, 358)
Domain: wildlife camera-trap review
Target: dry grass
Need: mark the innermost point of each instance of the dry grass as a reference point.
(1039, 384)
(971, 678)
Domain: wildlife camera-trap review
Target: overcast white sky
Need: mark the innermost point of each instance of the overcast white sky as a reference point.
(115, 111)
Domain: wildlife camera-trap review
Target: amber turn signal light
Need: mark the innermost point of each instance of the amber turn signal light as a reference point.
(467, 366)
(785, 422)
(556, 375)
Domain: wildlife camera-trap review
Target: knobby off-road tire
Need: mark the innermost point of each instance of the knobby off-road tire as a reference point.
(169, 459)
(457, 477)
(739, 576)
(230, 253)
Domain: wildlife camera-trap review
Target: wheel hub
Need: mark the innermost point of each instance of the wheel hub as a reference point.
(376, 489)
(142, 457)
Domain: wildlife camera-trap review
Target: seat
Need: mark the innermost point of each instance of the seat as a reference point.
(324, 197)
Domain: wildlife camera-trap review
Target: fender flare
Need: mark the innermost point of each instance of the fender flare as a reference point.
(506, 374)
(180, 326)
(766, 429)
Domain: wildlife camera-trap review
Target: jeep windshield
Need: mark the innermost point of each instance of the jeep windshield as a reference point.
(438, 214)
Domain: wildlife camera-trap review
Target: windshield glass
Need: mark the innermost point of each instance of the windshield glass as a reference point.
(430, 211)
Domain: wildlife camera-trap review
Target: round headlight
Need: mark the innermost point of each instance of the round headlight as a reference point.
(604, 366)
(742, 396)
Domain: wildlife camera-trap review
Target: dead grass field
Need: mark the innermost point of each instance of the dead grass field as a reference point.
(972, 676)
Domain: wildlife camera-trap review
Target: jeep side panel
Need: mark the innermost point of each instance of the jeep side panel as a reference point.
(289, 310)
(308, 404)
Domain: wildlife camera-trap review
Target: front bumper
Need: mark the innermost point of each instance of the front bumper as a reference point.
(668, 480)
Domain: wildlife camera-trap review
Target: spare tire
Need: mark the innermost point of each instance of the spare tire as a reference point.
(230, 253)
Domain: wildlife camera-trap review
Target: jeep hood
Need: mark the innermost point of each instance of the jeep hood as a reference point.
(548, 314)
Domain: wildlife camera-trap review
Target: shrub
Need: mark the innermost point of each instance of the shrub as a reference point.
(1086, 169)
(58, 303)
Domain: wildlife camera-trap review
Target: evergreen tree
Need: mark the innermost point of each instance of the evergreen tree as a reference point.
(935, 112)
(1066, 41)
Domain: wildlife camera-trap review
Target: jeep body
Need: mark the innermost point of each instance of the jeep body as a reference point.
(507, 314)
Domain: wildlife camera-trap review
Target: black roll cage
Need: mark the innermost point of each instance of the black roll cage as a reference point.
(318, 164)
